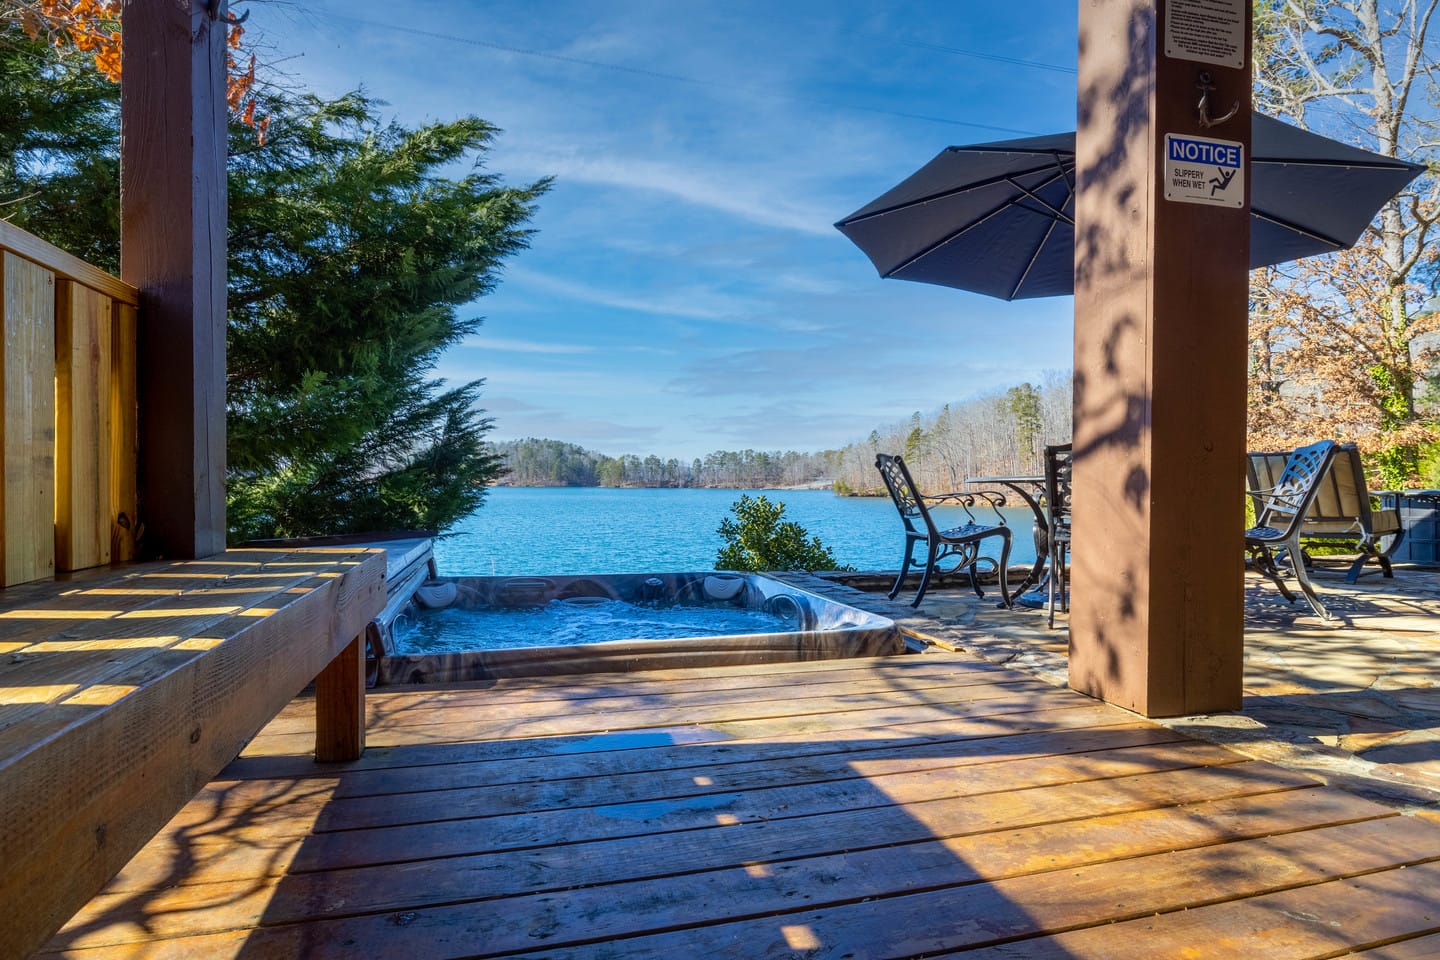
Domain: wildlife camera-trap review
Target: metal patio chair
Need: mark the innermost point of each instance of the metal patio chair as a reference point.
(1342, 511)
(960, 545)
(1057, 520)
(1280, 519)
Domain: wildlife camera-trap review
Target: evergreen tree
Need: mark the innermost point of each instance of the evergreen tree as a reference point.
(1023, 404)
(351, 248)
(59, 147)
(915, 439)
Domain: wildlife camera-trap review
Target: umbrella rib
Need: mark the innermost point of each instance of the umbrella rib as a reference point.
(1059, 214)
(1396, 165)
(1049, 231)
(1010, 202)
(955, 192)
(1034, 257)
(1288, 225)
(926, 251)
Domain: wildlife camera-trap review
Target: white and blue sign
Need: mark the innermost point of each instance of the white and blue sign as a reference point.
(1201, 170)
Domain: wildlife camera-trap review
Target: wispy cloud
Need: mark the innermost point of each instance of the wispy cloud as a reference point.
(765, 204)
(685, 290)
(524, 346)
(695, 302)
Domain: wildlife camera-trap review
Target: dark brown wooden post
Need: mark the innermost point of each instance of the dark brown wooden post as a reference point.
(172, 240)
(1161, 264)
(340, 705)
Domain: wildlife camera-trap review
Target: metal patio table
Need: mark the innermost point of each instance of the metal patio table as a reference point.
(1031, 591)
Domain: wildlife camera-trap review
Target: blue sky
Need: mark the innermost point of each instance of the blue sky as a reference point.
(686, 291)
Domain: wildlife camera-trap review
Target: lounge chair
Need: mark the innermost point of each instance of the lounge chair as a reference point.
(1057, 522)
(1342, 510)
(958, 544)
(1280, 513)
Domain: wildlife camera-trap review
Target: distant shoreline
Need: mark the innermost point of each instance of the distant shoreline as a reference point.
(813, 485)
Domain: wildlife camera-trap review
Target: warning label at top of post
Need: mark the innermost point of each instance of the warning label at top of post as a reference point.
(1207, 31)
(1201, 170)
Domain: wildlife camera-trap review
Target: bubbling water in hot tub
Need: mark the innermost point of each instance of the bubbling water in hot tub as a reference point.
(464, 627)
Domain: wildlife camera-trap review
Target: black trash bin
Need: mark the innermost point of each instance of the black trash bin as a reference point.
(1420, 519)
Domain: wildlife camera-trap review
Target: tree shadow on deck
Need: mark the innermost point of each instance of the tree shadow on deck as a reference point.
(896, 815)
(1352, 700)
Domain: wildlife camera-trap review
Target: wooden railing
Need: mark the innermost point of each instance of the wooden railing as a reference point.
(68, 430)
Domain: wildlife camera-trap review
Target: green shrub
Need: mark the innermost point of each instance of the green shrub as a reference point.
(758, 539)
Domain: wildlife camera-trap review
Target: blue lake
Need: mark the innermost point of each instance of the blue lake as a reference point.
(567, 530)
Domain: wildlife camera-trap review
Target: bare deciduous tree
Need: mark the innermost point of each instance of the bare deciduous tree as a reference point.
(1337, 349)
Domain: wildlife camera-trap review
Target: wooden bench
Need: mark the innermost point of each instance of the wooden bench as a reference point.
(123, 692)
(1342, 510)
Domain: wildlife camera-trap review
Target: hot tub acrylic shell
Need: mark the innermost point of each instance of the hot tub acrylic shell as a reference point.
(823, 628)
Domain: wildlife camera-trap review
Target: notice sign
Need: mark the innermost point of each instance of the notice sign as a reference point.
(1208, 31)
(1201, 170)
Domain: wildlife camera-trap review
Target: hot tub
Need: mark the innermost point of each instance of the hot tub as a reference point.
(475, 628)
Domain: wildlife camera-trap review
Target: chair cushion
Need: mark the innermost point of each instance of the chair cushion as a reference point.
(1330, 528)
(1386, 521)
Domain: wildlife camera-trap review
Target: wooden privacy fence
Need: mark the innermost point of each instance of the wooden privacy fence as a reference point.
(67, 412)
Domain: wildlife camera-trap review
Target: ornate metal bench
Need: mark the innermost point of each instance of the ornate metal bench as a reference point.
(958, 544)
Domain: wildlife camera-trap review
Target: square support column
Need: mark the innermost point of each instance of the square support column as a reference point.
(172, 242)
(1161, 298)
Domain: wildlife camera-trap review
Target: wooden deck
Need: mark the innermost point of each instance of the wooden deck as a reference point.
(926, 805)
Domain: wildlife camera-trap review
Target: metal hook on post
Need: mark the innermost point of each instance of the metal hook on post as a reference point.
(1205, 86)
(231, 19)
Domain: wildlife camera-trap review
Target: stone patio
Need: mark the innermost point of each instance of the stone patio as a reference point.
(1353, 700)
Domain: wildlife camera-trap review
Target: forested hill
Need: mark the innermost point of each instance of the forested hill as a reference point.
(553, 463)
(1000, 433)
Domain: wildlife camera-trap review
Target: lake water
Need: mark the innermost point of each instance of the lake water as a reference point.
(536, 531)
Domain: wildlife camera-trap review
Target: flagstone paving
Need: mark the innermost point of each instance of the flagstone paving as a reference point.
(1354, 700)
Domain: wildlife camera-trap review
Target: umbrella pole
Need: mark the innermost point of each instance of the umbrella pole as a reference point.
(1156, 621)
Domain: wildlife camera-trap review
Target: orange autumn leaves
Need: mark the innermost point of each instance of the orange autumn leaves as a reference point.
(93, 27)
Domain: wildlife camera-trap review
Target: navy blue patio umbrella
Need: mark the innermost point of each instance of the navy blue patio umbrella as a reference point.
(998, 218)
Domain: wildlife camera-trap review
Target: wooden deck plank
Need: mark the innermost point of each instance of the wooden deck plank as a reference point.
(394, 713)
(52, 683)
(883, 792)
(394, 775)
(982, 782)
(569, 909)
(1097, 898)
(651, 786)
(124, 431)
(1031, 823)
(763, 770)
(85, 783)
(82, 426)
(148, 602)
(27, 420)
(751, 714)
(262, 762)
(1415, 948)
(909, 671)
(1320, 920)
(102, 602)
(226, 796)
(215, 855)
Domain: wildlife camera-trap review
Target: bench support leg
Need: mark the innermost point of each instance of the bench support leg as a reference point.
(340, 705)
